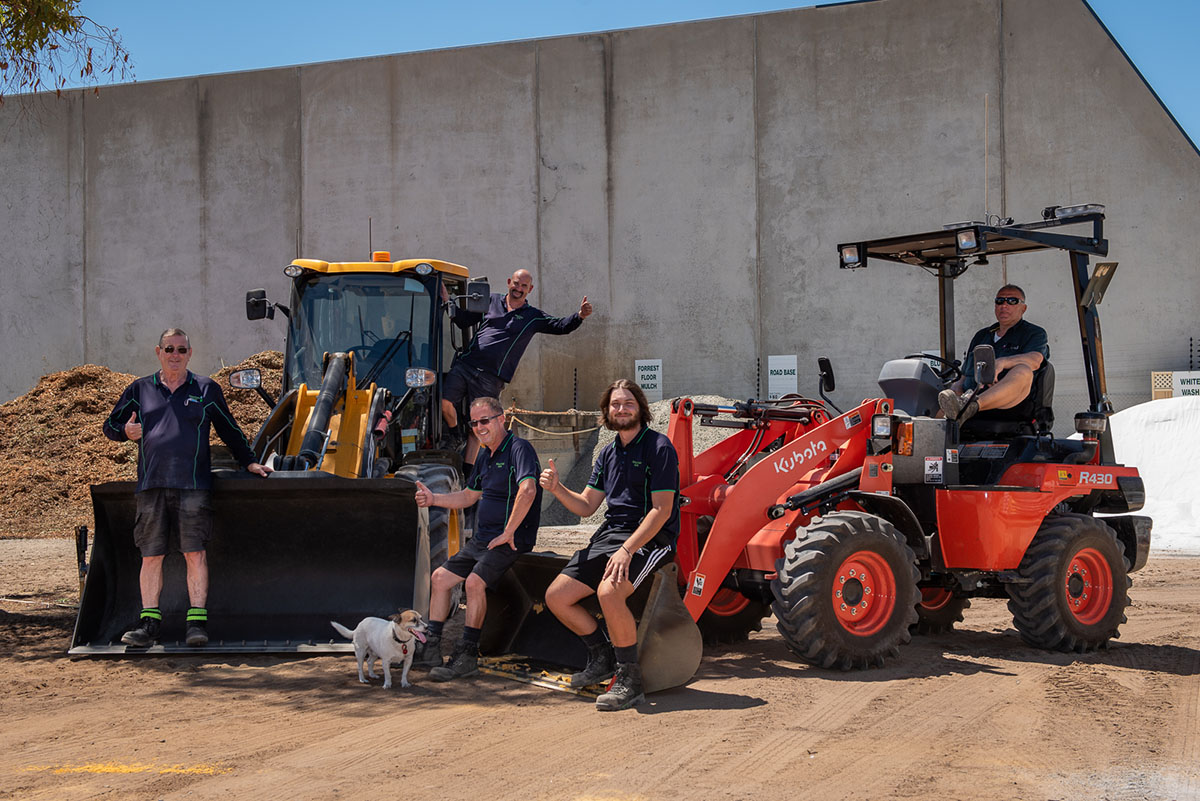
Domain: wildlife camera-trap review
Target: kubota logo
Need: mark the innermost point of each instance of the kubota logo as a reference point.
(787, 464)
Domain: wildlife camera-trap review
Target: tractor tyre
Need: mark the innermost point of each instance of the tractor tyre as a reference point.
(846, 591)
(938, 610)
(1074, 588)
(440, 478)
(730, 616)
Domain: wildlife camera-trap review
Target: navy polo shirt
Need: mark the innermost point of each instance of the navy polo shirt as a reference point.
(1024, 337)
(173, 452)
(630, 475)
(498, 475)
(501, 339)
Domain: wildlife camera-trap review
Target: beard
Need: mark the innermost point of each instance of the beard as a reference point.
(624, 424)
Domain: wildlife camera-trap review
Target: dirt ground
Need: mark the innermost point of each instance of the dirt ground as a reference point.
(971, 715)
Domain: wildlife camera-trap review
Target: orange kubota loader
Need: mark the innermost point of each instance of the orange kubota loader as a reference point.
(860, 528)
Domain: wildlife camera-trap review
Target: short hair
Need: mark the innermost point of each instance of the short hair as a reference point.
(491, 404)
(1014, 288)
(643, 405)
(173, 332)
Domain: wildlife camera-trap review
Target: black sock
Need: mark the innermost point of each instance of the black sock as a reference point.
(434, 627)
(151, 612)
(197, 616)
(596, 639)
(626, 653)
(470, 637)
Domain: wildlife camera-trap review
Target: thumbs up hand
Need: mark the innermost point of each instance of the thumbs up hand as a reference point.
(549, 477)
(133, 429)
(424, 496)
(585, 308)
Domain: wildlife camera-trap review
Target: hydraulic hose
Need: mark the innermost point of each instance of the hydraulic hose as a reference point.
(313, 444)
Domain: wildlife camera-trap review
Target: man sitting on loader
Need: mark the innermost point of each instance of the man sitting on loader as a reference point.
(1021, 349)
(504, 482)
(638, 474)
(168, 414)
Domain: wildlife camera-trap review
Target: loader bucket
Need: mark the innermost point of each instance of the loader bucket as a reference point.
(288, 555)
(523, 639)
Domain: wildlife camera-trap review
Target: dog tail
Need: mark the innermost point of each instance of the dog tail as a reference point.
(342, 630)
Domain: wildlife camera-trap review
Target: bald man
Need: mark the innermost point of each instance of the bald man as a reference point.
(491, 358)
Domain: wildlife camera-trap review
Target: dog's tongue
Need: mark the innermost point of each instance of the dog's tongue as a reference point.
(419, 635)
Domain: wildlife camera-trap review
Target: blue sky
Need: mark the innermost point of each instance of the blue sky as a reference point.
(173, 38)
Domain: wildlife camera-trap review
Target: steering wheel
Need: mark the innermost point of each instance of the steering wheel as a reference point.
(951, 371)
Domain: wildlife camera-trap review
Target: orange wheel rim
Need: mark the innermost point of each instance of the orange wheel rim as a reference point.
(727, 602)
(934, 598)
(1089, 586)
(864, 593)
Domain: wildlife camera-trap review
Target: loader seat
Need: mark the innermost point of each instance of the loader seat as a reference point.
(1032, 416)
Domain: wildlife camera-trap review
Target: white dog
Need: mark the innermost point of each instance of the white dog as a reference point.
(391, 640)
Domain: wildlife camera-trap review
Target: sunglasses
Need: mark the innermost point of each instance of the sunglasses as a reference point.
(482, 421)
(183, 349)
(1009, 301)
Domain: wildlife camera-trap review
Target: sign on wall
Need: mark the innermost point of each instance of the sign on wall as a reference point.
(781, 376)
(648, 375)
(1187, 383)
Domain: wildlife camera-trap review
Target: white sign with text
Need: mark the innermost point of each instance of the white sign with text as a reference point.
(648, 375)
(1185, 384)
(781, 376)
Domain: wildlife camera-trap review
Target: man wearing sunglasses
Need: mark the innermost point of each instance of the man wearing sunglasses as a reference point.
(169, 414)
(1021, 349)
(504, 482)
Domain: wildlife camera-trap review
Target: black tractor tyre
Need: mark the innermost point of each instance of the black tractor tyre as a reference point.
(730, 616)
(938, 610)
(1075, 585)
(827, 613)
(441, 479)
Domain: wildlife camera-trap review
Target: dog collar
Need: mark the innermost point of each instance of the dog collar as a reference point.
(403, 643)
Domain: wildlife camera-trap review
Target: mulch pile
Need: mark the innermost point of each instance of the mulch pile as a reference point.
(52, 446)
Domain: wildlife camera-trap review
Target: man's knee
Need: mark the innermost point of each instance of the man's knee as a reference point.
(476, 586)
(610, 594)
(443, 580)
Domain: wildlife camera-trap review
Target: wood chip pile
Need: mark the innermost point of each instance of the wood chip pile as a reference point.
(52, 446)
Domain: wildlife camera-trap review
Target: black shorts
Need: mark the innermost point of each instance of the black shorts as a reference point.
(464, 381)
(475, 557)
(172, 518)
(588, 563)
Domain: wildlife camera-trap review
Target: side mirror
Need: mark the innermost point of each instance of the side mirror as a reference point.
(827, 381)
(479, 294)
(985, 365)
(257, 305)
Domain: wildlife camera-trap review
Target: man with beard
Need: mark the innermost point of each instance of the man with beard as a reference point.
(638, 474)
(491, 358)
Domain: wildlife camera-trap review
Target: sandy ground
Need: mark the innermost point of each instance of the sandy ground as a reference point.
(971, 715)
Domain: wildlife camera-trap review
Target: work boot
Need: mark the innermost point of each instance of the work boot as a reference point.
(145, 635)
(626, 690)
(600, 665)
(197, 627)
(463, 662)
(429, 653)
(952, 406)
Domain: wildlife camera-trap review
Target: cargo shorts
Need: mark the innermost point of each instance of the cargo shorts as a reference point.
(172, 519)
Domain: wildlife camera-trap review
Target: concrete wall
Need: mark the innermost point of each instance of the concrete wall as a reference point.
(692, 180)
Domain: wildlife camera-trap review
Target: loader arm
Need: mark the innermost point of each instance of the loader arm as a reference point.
(744, 509)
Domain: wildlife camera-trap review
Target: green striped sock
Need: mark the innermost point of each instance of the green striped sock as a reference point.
(152, 613)
(197, 614)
